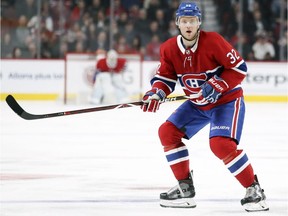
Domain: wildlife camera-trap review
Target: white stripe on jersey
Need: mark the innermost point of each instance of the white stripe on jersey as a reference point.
(236, 68)
(165, 78)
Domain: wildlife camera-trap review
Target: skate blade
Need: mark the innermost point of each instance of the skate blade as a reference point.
(178, 203)
(254, 207)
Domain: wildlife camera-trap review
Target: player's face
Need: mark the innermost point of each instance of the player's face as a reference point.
(188, 26)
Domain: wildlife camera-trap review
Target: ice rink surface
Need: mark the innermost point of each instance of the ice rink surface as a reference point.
(112, 163)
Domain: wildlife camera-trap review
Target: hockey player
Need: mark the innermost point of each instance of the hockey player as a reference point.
(210, 72)
(108, 87)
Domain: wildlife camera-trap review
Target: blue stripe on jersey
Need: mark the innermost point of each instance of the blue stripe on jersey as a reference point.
(243, 67)
(238, 164)
(170, 84)
(177, 155)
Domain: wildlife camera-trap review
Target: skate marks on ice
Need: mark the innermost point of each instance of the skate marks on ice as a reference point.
(131, 207)
(112, 164)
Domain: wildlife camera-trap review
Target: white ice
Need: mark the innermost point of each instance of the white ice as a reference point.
(112, 163)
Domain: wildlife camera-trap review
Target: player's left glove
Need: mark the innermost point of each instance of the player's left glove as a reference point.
(213, 89)
(152, 100)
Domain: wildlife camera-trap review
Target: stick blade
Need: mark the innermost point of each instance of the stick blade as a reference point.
(14, 105)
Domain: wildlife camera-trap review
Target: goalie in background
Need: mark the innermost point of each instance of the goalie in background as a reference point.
(108, 86)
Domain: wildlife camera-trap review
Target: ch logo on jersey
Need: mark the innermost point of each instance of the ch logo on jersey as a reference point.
(192, 82)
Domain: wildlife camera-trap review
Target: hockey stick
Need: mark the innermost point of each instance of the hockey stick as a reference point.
(14, 105)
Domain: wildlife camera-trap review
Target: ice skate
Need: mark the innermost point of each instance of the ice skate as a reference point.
(254, 199)
(180, 196)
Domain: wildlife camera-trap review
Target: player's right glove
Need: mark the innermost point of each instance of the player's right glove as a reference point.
(213, 89)
(152, 100)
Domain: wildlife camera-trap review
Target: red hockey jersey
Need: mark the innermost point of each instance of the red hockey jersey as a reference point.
(101, 66)
(211, 55)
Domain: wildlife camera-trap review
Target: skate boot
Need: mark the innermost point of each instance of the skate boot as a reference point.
(180, 196)
(254, 199)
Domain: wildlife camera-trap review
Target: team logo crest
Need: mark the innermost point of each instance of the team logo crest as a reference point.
(192, 82)
(89, 75)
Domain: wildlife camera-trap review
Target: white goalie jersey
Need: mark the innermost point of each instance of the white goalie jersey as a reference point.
(108, 86)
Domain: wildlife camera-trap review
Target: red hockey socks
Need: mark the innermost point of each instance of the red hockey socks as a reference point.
(178, 159)
(235, 160)
(176, 152)
(239, 165)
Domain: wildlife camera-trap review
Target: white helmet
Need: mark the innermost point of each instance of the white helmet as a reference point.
(112, 57)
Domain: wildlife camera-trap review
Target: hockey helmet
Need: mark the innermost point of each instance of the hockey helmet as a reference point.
(188, 9)
(112, 57)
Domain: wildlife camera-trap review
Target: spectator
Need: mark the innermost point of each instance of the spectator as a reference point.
(81, 38)
(136, 45)
(152, 7)
(71, 36)
(32, 50)
(22, 31)
(154, 29)
(173, 29)
(46, 22)
(263, 50)
(153, 48)
(283, 41)
(78, 11)
(16, 53)
(118, 10)
(92, 38)
(95, 8)
(59, 13)
(276, 7)
(9, 18)
(259, 23)
(121, 45)
(127, 4)
(101, 20)
(45, 46)
(6, 46)
(79, 47)
(142, 24)
(115, 30)
(63, 49)
(102, 41)
(160, 19)
(170, 12)
(28, 8)
(129, 32)
(54, 45)
(245, 45)
(121, 22)
(134, 12)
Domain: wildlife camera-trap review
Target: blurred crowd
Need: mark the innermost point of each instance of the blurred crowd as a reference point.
(261, 36)
(139, 26)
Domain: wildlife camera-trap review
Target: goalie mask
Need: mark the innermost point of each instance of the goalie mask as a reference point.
(112, 57)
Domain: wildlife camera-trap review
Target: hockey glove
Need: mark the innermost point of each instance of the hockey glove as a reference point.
(213, 89)
(152, 100)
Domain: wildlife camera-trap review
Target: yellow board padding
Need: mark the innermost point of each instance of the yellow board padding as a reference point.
(28, 96)
(266, 98)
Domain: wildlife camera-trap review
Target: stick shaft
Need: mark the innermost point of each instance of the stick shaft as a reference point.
(15, 106)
